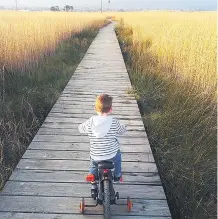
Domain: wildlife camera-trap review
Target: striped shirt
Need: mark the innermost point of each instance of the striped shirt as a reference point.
(102, 132)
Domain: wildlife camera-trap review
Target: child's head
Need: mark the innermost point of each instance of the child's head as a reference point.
(103, 104)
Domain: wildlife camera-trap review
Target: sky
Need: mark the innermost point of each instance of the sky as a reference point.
(119, 4)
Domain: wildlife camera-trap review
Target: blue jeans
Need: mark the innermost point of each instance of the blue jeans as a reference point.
(117, 165)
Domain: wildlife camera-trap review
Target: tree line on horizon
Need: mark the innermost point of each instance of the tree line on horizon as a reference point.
(67, 8)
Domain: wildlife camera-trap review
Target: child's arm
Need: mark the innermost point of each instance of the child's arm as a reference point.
(121, 129)
(83, 128)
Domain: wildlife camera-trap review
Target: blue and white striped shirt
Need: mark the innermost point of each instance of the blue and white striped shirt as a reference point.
(102, 132)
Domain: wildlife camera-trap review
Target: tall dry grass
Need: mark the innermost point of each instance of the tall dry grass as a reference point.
(26, 37)
(185, 43)
(171, 58)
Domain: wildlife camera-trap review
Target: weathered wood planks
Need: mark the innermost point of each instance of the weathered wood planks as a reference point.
(81, 165)
(76, 155)
(23, 175)
(69, 205)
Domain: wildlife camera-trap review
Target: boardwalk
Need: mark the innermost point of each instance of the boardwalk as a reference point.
(48, 182)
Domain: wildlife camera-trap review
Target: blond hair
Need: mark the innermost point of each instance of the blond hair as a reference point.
(103, 103)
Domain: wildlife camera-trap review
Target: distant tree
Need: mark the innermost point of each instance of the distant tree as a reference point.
(68, 8)
(54, 8)
(57, 8)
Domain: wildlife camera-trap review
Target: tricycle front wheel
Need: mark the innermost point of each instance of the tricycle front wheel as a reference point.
(106, 200)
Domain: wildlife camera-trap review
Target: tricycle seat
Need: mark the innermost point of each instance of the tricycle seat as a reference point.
(105, 165)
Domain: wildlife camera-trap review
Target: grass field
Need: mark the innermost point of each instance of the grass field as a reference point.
(26, 37)
(39, 53)
(171, 59)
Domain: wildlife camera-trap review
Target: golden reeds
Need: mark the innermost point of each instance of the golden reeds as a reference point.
(25, 37)
(183, 42)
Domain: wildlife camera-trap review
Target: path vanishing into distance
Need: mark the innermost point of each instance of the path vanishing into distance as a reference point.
(49, 181)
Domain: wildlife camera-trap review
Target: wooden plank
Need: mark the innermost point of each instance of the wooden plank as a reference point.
(119, 110)
(102, 62)
(84, 78)
(94, 95)
(120, 82)
(108, 62)
(66, 146)
(74, 132)
(85, 139)
(101, 65)
(99, 75)
(96, 56)
(100, 71)
(106, 72)
(78, 165)
(87, 64)
(92, 100)
(104, 88)
(99, 84)
(100, 89)
(119, 76)
(88, 61)
(82, 155)
(99, 61)
(73, 176)
(97, 91)
(122, 104)
(9, 215)
(96, 72)
(79, 190)
(68, 205)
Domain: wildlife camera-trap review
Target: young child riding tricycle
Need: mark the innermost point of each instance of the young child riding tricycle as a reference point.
(103, 130)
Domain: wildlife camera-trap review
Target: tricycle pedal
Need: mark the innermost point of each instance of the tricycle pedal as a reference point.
(117, 195)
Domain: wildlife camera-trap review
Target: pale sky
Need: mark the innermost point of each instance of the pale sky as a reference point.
(118, 4)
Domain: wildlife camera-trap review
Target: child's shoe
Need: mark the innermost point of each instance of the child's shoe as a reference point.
(117, 178)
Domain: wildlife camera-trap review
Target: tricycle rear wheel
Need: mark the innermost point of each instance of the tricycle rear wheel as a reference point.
(129, 204)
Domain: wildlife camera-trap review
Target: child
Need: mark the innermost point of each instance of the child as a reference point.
(103, 131)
